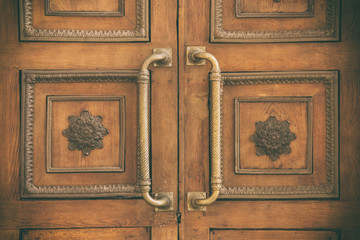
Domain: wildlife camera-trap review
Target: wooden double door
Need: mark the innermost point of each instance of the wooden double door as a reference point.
(253, 105)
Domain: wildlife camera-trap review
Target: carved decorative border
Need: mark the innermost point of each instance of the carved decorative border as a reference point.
(28, 189)
(51, 99)
(331, 188)
(119, 13)
(329, 33)
(139, 34)
(308, 13)
(308, 101)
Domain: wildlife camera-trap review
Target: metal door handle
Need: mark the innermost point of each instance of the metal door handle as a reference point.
(197, 200)
(160, 57)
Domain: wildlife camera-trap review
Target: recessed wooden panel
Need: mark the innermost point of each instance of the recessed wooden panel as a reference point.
(297, 111)
(222, 234)
(98, 22)
(89, 234)
(49, 168)
(272, 8)
(308, 101)
(274, 21)
(84, 7)
(109, 158)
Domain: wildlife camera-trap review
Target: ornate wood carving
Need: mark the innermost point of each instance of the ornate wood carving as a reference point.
(29, 32)
(309, 131)
(328, 190)
(272, 138)
(51, 99)
(85, 132)
(31, 190)
(329, 33)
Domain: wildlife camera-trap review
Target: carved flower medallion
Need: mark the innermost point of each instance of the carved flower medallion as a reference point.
(272, 138)
(85, 132)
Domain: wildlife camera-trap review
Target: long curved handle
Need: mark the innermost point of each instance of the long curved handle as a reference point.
(161, 57)
(196, 201)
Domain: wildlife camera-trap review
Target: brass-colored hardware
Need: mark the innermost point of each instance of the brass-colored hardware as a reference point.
(195, 54)
(164, 63)
(191, 196)
(168, 195)
(190, 60)
(164, 58)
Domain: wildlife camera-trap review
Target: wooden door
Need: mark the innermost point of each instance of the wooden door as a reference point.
(289, 122)
(69, 99)
(287, 134)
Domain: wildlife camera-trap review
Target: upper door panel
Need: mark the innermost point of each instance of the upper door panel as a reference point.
(274, 21)
(95, 20)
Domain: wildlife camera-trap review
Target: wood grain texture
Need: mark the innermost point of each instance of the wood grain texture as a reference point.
(273, 25)
(86, 22)
(84, 5)
(320, 22)
(251, 112)
(92, 26)
(271, 87)
(109, 156)
(89, 234)
(9, 235)
(272, 234)
(274, 6)
(95, 8)
(342, 215)
(275, 9)
(108, 213)
(60, 143)
(277, 215)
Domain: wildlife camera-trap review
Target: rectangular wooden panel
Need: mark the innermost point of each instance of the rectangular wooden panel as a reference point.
(54, 102)
(282, 142)
(274, 21)
(111, 111)
(84, 7)
(89, 234)
(271, 8)
(39, 22)
(222, 234)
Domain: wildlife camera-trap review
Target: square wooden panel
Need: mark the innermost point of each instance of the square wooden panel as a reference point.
(274, 21)
(94, 20)
(112, 112)
(297, 111)
(51, 101)
(302, 107)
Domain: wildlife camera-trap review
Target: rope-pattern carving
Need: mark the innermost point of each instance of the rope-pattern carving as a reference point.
(329, 79)
(215, 133)
(144, 131)
(31, 78)
(143, 141)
